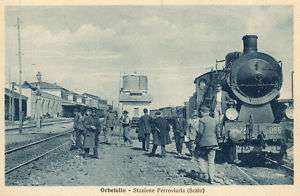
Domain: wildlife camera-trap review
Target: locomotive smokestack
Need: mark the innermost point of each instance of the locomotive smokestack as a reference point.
(250, 43)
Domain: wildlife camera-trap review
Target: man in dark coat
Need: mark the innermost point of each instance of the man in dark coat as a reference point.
(145, 130)
(90, 134)
(179, 130)
(97, 123)
(76, 132)
(206, 144)
(160, 130)
(109, 125)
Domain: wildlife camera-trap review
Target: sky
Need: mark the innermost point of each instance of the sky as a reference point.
(85, 49)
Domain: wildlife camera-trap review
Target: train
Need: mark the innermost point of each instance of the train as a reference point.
(255, 121)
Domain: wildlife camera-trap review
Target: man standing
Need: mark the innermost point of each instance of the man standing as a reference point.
(179, 132)
(76, 131)
(160, 131)
(125, 121)
(206, 144)
(145, 130)
(90, 134)
(219, 103)
(192, 128)
(109, 127)
(97, 123)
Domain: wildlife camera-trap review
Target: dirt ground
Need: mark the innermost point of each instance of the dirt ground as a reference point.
(121, 165)
(118, 165)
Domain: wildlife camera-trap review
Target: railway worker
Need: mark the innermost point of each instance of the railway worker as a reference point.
(179, 130)
(206, 144)
(109, 125)
(76, 131)
(90, 134)
(125, 121)
(192, 128)
(160, 130)
(145, 130)
(97, 122)
(219, 103)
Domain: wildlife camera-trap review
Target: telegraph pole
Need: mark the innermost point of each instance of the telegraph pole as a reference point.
(20, 77)
(292, 82)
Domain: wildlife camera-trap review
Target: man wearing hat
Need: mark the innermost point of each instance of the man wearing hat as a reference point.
(125, 121)
(90, 134)
(206, 144)
(179, 130)
(145, 130)
(76, 130)
(192, 128)
(160, 131)
(219, 103)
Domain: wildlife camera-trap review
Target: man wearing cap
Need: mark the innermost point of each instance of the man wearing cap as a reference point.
(206, 144)
(90, 134)
(125, 121)
(192, 128)
(145, 130)
(219, 103)
(179, 130)
(76, 131)
(160, 131)
(109, 125)
(97, 123)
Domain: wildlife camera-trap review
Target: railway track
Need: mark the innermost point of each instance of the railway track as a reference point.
(23, 155)
(43, 124)
(251, 176)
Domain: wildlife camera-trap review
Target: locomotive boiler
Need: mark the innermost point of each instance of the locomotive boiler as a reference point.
(252, 120)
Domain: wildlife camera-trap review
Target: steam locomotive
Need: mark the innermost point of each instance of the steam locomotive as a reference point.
(253, 119)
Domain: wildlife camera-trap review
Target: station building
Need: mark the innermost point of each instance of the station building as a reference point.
(44, 99)
(12, 104)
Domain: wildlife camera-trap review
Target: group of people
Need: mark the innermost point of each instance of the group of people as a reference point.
(199, 133)
(87, 127)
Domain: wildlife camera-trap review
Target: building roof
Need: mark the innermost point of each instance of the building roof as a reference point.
(10, 93)
(46, 85)
(135, 98)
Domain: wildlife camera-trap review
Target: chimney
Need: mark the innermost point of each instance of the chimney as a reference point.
(250, 43)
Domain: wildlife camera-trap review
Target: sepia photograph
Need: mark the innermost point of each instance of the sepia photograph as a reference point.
(148, 95)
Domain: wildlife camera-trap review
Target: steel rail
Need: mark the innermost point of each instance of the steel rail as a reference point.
(37, 142)
(36, 158)
(33, 125)
(247, 175)
(281, 165)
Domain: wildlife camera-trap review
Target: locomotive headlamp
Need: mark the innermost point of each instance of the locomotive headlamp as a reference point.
(289, 113)
(231, 114)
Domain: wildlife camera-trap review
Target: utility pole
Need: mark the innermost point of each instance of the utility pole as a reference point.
(292, 82)
(20, 77)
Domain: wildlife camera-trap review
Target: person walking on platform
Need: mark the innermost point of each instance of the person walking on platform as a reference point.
(206, 144)
(144, 130)
(97, 133)
(109, 126)
(192, 128)
(179, 130)
(125, 121)
(76, 130)
(160, 131)
(90, 134)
